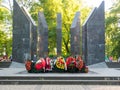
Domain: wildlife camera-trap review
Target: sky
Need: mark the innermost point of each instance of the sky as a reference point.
(96, 3)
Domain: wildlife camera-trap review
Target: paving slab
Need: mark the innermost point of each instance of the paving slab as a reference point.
(99, 65)
(59, 87)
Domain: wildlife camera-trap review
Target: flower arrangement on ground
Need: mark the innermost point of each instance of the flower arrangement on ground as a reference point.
(70, 64)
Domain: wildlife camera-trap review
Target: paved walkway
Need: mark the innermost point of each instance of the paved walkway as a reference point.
(109, 72)
(58, 87)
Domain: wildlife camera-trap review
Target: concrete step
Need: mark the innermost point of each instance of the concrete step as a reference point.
(57, 78)
(60, 80)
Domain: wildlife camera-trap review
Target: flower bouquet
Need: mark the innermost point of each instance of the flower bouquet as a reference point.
(35, 67)
(59, 65)
(71, 64)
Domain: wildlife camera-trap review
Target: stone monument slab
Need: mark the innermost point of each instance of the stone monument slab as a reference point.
(59, 34)
(43, 36)
(22, 32)
(33, 34)
(93, 35)
(75, 35)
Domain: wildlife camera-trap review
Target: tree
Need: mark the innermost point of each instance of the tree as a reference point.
(113, 30)
(5, 30)
(26, 3)
(67, 9)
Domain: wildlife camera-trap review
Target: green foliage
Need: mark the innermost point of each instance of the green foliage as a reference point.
(5, 44)
(26, 3)
(4, 14)
(67, 8)
(5, 38)
(113, 31)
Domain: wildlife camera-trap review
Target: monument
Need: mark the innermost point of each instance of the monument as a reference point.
(26, 39)
(93, 36)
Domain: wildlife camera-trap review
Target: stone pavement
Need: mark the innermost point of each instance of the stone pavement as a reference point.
(59, 87)
(99, 65)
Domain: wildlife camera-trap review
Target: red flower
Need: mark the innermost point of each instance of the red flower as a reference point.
(40, 64)
(70, 60)
(28, 65)
(48, 63)
(79, 62)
